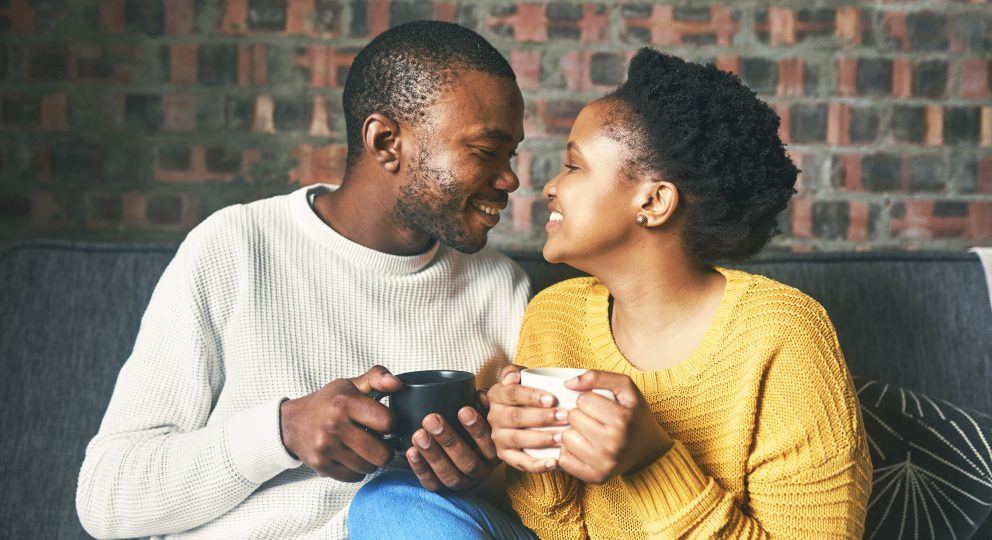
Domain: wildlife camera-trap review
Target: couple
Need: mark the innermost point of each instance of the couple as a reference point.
(735, 415)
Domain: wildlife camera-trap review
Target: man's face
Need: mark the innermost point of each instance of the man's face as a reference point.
(458, 174)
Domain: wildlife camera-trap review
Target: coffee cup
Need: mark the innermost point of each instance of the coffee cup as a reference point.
(443, 392)
(552, 380)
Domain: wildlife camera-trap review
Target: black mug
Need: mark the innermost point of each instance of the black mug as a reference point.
(439, 391)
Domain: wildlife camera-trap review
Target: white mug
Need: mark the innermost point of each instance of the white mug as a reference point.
(552, 381)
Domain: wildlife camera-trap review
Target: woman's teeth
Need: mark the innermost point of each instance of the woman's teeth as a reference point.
(556, 216)
(492, 211)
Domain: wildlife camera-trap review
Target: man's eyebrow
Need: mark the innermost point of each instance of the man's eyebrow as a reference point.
(489, 133)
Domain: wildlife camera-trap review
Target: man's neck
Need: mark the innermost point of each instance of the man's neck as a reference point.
(364, 215)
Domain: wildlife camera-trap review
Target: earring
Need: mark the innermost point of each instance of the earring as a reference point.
(641, 220)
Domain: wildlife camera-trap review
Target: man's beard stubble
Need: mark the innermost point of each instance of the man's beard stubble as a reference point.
(432, 202)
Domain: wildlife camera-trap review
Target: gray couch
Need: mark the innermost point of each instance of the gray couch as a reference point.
(69, 313)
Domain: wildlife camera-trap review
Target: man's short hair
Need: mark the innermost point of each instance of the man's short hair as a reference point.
(404, 69)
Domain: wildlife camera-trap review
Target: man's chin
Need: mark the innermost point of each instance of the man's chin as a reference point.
(467, 244)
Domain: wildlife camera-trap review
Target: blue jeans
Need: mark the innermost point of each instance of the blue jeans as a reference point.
(394, 505)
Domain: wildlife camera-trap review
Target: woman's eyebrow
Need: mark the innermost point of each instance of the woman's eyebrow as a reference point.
(574, 146)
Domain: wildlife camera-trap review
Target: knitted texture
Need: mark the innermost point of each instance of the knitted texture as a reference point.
(769, 440)
(263, 302)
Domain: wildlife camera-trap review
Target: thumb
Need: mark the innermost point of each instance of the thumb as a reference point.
(621, 385)
(376, 378)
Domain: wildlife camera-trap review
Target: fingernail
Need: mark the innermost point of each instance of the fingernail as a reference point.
(422, 440)
(573, 380)
(547, 400)
(549, 464)
(469, 419)
(557, 437)
(414, 456)
(433, 425)
(509, 378)
(561, 415)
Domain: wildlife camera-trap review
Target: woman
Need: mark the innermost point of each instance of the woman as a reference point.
(735, 415)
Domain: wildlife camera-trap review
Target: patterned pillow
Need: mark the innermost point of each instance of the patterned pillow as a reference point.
(932, 461)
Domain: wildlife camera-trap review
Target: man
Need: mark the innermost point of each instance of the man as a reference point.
(226, 393)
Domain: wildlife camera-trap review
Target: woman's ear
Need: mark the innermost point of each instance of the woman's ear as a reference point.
(381, 136)
(658, 202)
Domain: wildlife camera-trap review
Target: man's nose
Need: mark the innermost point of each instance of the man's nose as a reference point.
(507, 180)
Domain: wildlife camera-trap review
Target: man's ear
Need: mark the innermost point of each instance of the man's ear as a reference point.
(657, 201)
(381, 137)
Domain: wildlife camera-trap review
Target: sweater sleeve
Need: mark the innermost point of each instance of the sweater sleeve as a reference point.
(157, 465)
(548, 504)
(809, 473)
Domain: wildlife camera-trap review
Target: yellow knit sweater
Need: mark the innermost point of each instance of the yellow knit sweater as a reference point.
(769, 441)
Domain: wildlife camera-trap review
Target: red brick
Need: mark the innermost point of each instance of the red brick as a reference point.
(985, 133)
(298, 13)
(980, 220)
(198, 171)
(252, 65)
(527, 66)
(902, 78)
(323, 164)
(179, 112)
(790, 77)
(179, 15)
(558, 116)
(783, 26)
(112, 15)
(263, 121)
(784, 133)
(21, 16)
(319, 125)
(857, 229)
(935, 126)
(521, 206)
(593, 25)
(667, 30)
(848, 24)
(983, 182)
(134, 208)
(850, 165)
(523, 168)
(377, 15)
(847, 72)
(838, 124)
(184, 62)
(895, 22)
(802, 217)
(529, 23)
(731, 63)
(443, 11)
(235, 19)
(974, 78)
(54, 112)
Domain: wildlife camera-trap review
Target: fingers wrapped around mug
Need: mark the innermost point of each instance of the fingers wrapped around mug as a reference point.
(441, 458)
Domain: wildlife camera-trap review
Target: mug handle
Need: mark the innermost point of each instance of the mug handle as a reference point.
(389, 438)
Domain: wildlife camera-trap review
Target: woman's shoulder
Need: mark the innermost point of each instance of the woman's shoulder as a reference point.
(765, 300)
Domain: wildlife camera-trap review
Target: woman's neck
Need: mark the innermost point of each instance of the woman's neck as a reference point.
(661, 310)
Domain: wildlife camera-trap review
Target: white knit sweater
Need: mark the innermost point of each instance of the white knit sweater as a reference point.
(265, 301)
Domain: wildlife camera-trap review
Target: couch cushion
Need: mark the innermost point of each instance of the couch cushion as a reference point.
(933, 464)
(68, 320)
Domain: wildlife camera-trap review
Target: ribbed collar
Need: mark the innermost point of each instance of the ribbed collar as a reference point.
(607, 355)
(355, 253)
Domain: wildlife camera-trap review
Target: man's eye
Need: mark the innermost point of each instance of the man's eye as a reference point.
(486, 151)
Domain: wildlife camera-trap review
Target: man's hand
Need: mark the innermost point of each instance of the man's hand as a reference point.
(608, 438)
(325, 428)
(442, 459)
(512, 410)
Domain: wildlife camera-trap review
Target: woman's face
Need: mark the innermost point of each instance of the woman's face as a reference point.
(592, 208)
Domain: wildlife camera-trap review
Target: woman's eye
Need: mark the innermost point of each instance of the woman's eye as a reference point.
(571, 167)
(513, 154)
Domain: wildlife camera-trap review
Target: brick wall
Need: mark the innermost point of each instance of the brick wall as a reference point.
(135, 119)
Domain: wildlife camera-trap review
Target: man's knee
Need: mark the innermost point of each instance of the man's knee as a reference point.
(388, 489)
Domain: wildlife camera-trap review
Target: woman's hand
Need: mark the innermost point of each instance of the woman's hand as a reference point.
(512, 410)
(609, 438)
